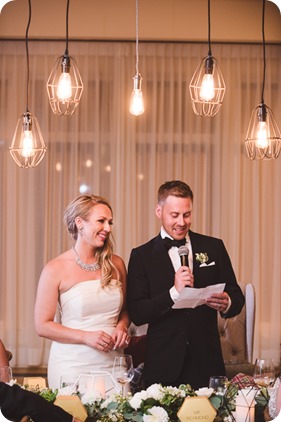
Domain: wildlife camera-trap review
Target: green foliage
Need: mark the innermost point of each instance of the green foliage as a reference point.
(49, 395)
(168, 400)
(225, 404)
(262, 398)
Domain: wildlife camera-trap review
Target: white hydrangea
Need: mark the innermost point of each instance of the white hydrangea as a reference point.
(112, 398)
(228, 418)
(137, 398)
(204, 392)
(182, 393)
(174, 391)
(155, 391)
(157, 414)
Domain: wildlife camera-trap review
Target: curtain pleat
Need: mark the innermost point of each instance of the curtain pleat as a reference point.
(104, 150)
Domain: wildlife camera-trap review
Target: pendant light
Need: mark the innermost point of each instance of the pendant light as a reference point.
(2, 4)
(28, 147)
(207, 87)
(65, 86)
(136, 103)
(263, 139)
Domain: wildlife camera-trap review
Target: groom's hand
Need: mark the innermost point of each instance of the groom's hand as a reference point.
(218, 301)
(183, 278)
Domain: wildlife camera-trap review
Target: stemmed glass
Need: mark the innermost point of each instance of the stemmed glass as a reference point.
(6, 374)
(264, 372)
(218, 383)
(123, 370)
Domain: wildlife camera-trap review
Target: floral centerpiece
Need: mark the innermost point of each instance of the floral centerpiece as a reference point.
(161, 404)
(155, 404)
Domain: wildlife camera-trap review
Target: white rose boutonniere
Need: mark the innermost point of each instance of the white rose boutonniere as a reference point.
(202, 257)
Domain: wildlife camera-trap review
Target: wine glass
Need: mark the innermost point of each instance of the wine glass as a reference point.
(218, 383)
(6, 374)
(264, 372)
(123, 370)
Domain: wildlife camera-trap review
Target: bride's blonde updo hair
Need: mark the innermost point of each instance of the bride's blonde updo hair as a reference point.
(82, 207)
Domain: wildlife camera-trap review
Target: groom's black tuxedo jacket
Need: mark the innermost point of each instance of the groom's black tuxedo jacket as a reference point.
(150, 277)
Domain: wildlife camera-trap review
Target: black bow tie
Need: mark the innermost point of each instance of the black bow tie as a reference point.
(169, 243)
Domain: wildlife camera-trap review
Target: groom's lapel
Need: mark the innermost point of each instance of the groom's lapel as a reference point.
(195, 249)
(163, 262)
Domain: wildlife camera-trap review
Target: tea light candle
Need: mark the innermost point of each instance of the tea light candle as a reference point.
(99, 385)
(245, 414)
(245, 405)
(90, 384)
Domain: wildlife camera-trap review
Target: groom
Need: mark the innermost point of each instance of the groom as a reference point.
(183, 345)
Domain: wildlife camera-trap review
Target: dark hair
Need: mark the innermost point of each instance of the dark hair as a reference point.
(174, 188)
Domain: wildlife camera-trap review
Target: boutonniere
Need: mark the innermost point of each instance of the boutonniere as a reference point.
(202, 257)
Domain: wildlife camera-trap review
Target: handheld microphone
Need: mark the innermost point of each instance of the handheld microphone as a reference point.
(183, 253)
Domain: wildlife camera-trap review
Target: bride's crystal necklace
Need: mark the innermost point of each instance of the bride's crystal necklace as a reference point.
(83, 265)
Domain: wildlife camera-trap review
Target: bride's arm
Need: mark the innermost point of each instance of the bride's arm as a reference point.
(47, 299)
(120, 334)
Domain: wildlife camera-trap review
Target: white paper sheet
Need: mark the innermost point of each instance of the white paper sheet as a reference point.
(190, 297)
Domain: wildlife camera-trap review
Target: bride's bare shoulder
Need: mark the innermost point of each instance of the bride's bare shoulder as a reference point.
(60, 262)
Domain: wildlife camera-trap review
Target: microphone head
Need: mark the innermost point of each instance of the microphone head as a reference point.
(183, 250)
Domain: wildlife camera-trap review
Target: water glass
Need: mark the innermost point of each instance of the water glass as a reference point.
(264, 372)
(218, 383)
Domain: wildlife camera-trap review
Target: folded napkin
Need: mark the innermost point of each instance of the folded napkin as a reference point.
(243, 381)
(207, 265)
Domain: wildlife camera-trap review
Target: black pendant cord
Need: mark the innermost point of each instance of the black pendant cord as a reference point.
(66, 39)
(137, 37)
(27, 55)
(263, 44)
(209, 28)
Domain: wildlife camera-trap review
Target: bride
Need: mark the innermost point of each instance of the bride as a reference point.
(87, 285)
(274, 404)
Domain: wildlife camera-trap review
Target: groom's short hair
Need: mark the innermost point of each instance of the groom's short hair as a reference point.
(174, 188)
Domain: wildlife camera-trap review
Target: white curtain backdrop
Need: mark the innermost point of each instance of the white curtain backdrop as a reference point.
(125, 158)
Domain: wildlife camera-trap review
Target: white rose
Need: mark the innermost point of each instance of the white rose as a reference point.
(205, 392)
(137, 398)
(155, 391)
(157, 414)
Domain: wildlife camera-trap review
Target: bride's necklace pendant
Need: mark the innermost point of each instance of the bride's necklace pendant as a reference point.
(83, 265)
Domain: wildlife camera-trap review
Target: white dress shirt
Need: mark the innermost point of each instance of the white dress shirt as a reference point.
(175, 258)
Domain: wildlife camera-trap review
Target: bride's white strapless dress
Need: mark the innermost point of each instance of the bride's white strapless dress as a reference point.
(85, 306)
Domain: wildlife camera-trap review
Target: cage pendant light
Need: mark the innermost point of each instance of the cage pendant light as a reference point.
(28, 147)
(65, 86)
(263, 139)
(136, 102)
(207, 87)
